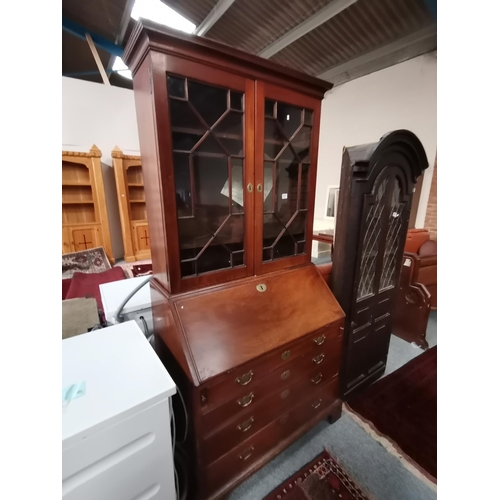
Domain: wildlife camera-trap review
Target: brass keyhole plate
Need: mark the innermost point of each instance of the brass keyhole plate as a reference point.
(261, 287)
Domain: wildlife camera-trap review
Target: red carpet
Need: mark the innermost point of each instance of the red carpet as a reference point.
(320, 479)
(403, 407)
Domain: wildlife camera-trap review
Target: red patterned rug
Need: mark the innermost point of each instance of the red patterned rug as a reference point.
(402, 408)
(89, 261)
(320, 479)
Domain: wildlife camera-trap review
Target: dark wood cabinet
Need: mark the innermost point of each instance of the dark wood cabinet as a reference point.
(250, 332)
(376, 188)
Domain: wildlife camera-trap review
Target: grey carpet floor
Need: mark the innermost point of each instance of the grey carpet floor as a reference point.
(372, 467)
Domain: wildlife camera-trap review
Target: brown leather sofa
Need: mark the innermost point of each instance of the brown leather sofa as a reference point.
(423, 251)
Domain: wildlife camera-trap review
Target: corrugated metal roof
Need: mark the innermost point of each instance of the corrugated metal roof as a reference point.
(361, 28)
(102, 17)
(194, 10)
(252, 25)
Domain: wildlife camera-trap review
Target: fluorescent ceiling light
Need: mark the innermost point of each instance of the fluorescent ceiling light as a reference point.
(157, 11)
(120, 67)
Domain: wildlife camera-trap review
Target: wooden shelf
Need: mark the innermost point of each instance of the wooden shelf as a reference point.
(139, 220)
(137, 201)
(201, 132)
(135, 184)
(80, 202)
(76, 224)
(76, 183)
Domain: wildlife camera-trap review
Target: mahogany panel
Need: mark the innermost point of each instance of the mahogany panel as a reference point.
(248, 421)
(249, 451)
(269, 368)
(149, 35)
(295, 303)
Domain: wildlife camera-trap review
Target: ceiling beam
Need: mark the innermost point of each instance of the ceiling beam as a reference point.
(99, 41)
(317, 19)
(413, 45)
(127, 12)
(215, 14)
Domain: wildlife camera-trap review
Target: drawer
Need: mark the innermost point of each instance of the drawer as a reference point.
(247, 453)
(297, 374)
(254, 419)
(237, 382)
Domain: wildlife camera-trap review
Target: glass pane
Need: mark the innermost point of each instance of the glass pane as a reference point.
(192, 237)
(301, 143)
(267, 254)
(269, 108)
(285, 247)
(286, 189)
(238, 259)
(208, 178)
(236, 100)
(388, 275)
(298, 226)
(176, 87)
(182, 184)
(272, 229)
(211, 206)
(371, 242)
(210, 102)
(237, 188)
(288, 141)
(185, 141)
(304, 186)
(289, 117)
(268, 186)
(230, 133)
(308, 117)
(274, 140)
(210, 145)
(184, 119)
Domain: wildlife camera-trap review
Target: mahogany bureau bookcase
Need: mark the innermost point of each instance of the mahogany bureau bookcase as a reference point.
(249, 330)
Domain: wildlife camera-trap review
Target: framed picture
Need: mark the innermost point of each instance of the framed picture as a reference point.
(332, 200)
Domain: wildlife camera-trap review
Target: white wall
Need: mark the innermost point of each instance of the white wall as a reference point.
(359, 112)
(103, 115)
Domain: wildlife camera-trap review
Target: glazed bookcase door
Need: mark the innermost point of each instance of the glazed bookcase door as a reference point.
(383, 231)
(285, 172)
(211, 124)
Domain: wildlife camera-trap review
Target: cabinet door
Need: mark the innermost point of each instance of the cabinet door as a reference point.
(67, 247)
(287, 126)
(211, 130)
(140, 233)
(83, 238)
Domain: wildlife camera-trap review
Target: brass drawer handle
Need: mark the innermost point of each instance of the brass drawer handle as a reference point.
(245, 425)
(320, 340)
(247, 454)
(285, 355)
(319, 359)
(245, 379)
(285, 374)
(246, 400)
(317, 379)
(317, 404)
